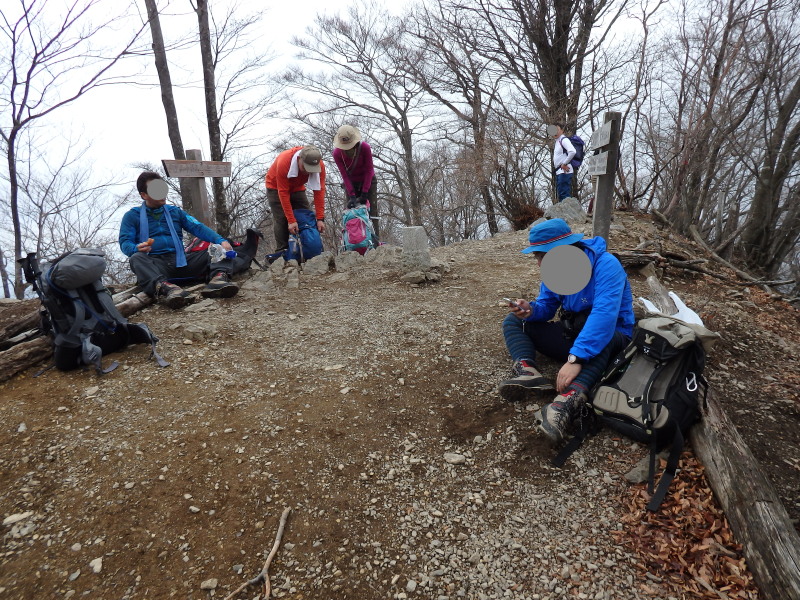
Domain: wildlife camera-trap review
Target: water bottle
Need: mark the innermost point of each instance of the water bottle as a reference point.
(218, 253)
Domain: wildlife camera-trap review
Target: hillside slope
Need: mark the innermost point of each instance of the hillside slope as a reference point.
(340, 399)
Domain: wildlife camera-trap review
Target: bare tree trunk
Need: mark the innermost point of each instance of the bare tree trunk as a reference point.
(4, 275)
(212, 116)
(168, 100)
(19, 280)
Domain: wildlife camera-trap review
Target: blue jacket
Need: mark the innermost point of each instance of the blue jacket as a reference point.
(162, 240)
(608, 295)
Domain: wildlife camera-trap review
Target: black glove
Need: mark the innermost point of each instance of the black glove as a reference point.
(364, 197)
(353, 202)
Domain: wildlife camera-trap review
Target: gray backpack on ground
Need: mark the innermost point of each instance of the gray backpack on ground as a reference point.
(79, 313)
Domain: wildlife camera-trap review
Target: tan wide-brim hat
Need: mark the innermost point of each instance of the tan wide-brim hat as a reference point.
(311, 158)
(346, 137)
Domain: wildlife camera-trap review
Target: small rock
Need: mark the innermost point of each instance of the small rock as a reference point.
(76, 547)
(22, 428)
(640, 472)
(411, 586)
(92, 390)
(10, 520)
(194, 509)
(209, 584)
(75, 575)
(97, 565)
(238, 569)
(454, 458)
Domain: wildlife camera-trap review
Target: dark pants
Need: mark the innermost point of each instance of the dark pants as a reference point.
(563, 185)
(152, 269)
(280, 224)
(373, 203)
(524, 339)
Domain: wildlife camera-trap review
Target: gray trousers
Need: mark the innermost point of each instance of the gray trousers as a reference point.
(280, 224)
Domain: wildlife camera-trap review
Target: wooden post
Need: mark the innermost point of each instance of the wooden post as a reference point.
(196, 170)
(604, 165)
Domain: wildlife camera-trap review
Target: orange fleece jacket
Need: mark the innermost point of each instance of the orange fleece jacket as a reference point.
(277, 179)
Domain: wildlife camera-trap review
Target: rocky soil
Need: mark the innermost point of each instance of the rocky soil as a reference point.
(368, 406)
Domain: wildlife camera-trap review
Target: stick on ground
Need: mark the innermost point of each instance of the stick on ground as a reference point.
(263, 576)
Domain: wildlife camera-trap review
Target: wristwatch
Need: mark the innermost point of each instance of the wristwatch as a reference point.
(574, 360)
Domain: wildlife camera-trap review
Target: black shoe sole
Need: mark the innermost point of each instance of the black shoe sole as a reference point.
(515, 393)
(519, 393)
(227, 291)
(178, 302)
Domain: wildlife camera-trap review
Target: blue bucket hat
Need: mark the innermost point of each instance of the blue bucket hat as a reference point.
(546, 236)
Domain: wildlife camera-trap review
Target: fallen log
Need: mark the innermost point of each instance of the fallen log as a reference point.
(26, 354)
(757, 517)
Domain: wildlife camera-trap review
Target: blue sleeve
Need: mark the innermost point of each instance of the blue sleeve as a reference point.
(609, 286)
(545, 306)
(196, 228)
(129, 232)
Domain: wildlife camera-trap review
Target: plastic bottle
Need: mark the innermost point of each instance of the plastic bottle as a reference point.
(218, 253)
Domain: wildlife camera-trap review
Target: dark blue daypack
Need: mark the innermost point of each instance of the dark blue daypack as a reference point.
(580, 150)
(308, 243)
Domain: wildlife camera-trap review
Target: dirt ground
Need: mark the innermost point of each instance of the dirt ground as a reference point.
(298, 398)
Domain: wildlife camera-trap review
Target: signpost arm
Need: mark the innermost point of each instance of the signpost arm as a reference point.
(604, 191)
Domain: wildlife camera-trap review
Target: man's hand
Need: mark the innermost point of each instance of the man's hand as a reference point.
(522, 310)
(145, 246)
(321, 226)
(294, 228)
(226, 244)
(565, 168)
(566, 375)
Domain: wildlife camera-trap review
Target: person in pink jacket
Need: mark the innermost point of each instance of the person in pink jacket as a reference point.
(354, 159)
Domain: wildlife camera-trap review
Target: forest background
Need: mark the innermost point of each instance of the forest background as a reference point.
(453, 96)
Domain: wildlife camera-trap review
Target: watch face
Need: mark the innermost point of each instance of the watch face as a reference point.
(572, 358)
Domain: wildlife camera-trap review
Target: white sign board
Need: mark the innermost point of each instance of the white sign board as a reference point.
(597, 164)
(196, 168)
(601, 137)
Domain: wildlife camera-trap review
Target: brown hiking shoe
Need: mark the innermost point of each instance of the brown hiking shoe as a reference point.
(560, 413)
(172, 295)
(220, 286)
(524, 380)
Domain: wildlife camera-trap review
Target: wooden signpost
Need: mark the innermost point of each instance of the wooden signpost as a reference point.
(196, 170)
(603, 164)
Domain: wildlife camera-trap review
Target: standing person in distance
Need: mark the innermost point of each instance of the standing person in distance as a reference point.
(563, 153)
(353, 157)
(290, 174)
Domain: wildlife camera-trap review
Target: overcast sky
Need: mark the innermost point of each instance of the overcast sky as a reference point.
(126, 124)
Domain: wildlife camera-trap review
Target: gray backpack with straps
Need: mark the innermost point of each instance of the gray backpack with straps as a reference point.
(79, 313)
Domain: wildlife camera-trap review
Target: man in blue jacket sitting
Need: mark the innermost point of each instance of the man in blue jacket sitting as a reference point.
(593, 295)
(151, 235)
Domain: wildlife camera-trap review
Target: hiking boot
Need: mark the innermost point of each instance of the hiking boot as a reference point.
(525, 378)
(220, 286)
(559, 414)
(172, 295)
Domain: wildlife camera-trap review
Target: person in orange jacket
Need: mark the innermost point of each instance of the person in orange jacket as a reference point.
(290, 174)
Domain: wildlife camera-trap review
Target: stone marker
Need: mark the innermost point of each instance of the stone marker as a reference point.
(416, 254)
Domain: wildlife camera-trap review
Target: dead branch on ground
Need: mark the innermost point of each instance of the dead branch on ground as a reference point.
(263, 576)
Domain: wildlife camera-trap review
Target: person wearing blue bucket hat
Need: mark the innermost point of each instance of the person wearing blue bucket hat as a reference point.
(590, 291)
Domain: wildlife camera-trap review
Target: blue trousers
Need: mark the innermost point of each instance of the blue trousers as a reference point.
(563, 185)
(524, 339)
